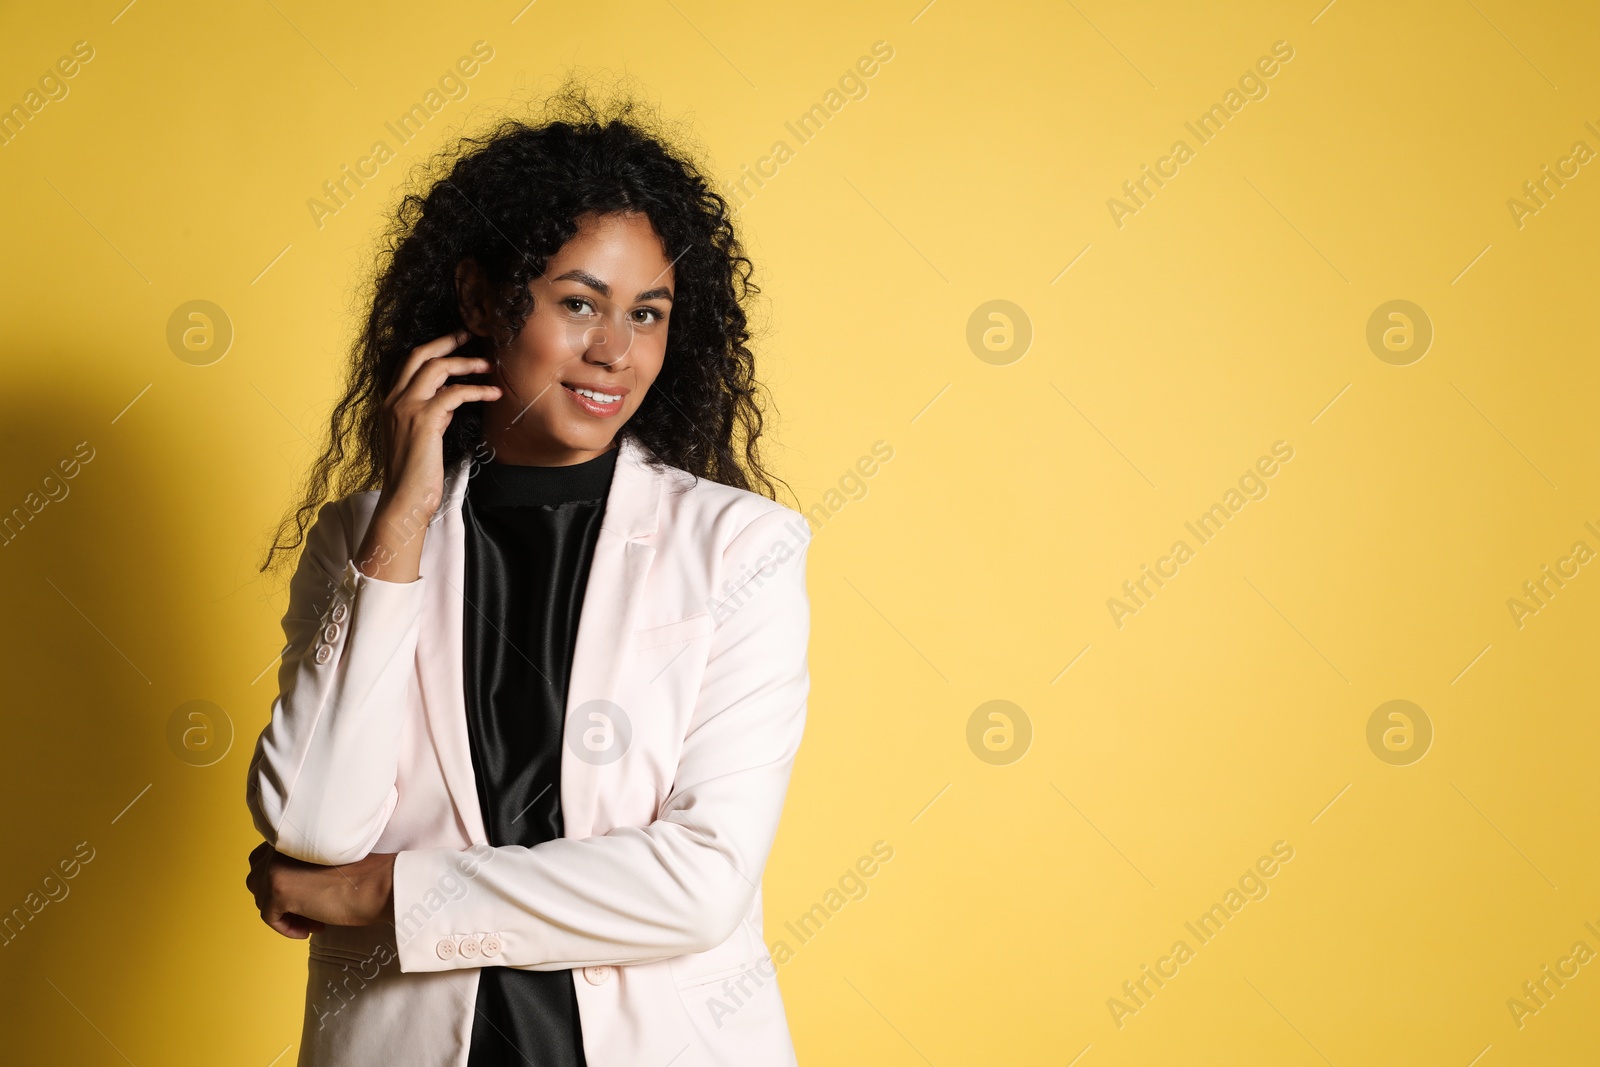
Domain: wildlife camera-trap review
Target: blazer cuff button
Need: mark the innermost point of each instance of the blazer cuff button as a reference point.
(469, 948)
(446, 949)
(491, 946)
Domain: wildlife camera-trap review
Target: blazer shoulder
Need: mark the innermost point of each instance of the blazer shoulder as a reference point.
(726, 511)
(341, 523)
(356, 511)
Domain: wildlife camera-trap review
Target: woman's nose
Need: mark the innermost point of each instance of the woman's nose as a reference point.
(606, 342)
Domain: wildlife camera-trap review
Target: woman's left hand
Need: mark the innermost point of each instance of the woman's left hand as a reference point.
(298, 898)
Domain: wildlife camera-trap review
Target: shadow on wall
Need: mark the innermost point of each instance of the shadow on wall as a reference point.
(124, 920)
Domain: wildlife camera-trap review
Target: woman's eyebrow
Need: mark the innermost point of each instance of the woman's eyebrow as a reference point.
(585, 278)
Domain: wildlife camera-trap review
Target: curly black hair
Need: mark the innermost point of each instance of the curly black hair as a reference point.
(511, 199)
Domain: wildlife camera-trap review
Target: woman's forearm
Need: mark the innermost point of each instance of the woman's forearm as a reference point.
(322, 780)
(391, 551)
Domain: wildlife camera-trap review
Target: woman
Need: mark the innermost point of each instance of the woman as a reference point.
(546, 666)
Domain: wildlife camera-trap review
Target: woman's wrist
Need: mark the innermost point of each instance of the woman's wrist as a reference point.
(392, 548)
(297, 898)
(380, 893)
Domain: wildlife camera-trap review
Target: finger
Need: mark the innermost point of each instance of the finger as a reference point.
(300, 926)
(261, 857)
(439, 346)
(451, 397)
(262, 896)
(420, 355)
(288, 927)
(428, 378)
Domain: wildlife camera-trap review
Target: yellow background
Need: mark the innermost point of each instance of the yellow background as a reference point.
(1229, 313)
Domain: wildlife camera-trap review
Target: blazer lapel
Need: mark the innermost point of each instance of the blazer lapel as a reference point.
(611, 600)
(440, 671)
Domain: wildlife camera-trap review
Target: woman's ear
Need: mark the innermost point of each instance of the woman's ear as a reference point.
(472, 298)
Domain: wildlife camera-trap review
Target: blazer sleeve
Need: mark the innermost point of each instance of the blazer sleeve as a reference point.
(322, 781)
(684, 882)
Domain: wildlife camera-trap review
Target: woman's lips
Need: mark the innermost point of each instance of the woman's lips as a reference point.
(592, 407)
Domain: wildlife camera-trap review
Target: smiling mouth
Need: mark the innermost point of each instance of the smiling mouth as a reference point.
(595, 402)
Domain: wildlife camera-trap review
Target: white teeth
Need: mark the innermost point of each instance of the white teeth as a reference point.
(599, 398)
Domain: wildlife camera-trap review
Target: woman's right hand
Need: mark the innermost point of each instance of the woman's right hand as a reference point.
(415, 415)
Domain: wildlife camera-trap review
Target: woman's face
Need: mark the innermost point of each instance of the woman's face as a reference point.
(590, 350)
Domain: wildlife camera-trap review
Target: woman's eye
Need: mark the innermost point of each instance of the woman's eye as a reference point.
(654, 316)
(570, 301)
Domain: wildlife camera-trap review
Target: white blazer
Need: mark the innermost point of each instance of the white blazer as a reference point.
(685, 709)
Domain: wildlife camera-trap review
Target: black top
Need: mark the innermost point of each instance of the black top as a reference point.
(530, 536)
